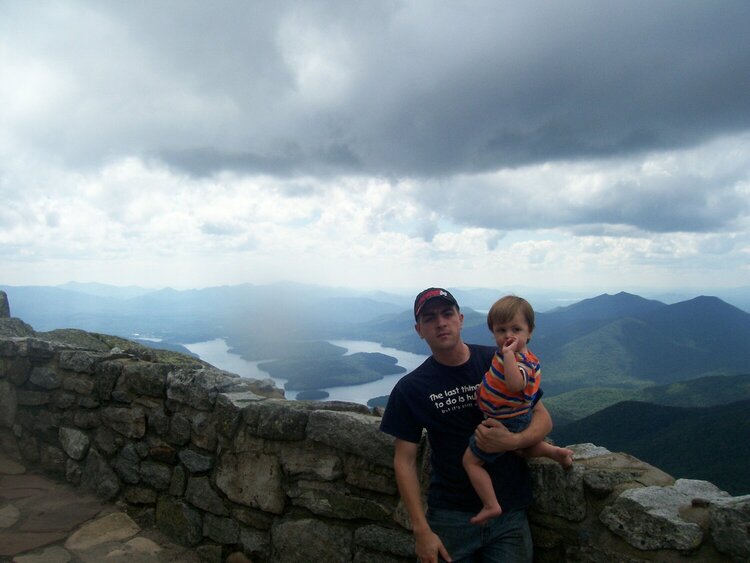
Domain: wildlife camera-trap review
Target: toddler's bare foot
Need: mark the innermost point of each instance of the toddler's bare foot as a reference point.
(487, 513)
(564, 457)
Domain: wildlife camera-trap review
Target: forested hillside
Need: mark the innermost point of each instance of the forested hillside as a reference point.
(711, 443)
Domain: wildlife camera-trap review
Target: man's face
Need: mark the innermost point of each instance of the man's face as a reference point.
(440, 325)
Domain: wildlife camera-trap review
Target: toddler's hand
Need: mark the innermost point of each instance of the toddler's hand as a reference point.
(510, 344)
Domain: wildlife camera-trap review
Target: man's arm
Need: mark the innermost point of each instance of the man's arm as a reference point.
(493, 437)
(428, 544)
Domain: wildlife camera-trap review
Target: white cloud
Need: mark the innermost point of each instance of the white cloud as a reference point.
(380, 144)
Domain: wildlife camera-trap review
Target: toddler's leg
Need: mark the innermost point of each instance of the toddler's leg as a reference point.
(482, 484)
(563, 456)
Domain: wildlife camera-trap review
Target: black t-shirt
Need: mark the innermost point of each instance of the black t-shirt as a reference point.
(441, 399)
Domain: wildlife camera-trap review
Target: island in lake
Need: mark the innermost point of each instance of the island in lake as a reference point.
(314, 373)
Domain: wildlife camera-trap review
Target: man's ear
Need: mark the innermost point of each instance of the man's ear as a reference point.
(419, 330)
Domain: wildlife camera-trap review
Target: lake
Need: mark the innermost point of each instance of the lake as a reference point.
(216, 352)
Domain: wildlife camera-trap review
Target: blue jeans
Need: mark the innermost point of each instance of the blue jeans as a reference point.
(505, 539)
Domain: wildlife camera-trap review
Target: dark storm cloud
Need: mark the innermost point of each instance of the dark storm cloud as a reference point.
(658, 204)
(398, 88)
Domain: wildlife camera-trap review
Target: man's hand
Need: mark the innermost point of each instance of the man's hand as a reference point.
(493, 437)
(428, 545)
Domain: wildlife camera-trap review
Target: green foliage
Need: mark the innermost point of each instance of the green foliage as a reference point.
(701, 392)
(574, 405)
(697, 443)
(381, 401)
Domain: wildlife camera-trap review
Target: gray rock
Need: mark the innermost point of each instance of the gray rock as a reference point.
(156, 475)
(139, 495)
(388, 540)
(559, 491)
(195, 462)
(197, 388)
(209, 553)
(587, 451)
(126, 421)
(45, 377)
(80, 361)
(203, 431)
(74, 442)
(729, 518)
(29, 398)
(649, 517)
(227, 415)
(158, 421)
(99, 477)
(351, 432)
(107, 440)
(8, 403)
(127, 464)
(79, 383)
(11, 327)
(17, 369)
(179, 520)
(179, 481)
(4, 305)
(222, 530)
(252, 479)
(306, 540)
(300, 459)
(365, 475)
(73, 471)
(63, 400)
(200, 494)
(327, 499)
(277, 419)
(143, 378)
(35, 349)
(9, 515)
(179, 430)
(53, 459)
(87, 419)
(255, 541)
(160, 452)
(107, 374)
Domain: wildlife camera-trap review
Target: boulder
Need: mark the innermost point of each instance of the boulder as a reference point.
(4, 306)
(651, 517)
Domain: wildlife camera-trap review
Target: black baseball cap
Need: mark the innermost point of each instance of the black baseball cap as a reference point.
(428, 295)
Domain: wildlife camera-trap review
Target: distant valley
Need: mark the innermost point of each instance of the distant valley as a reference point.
(621, 343)
(611, 363)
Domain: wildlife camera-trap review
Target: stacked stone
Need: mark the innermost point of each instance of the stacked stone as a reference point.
(204, 456)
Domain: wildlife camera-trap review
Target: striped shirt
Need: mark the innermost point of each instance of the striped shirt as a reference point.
(493, 396)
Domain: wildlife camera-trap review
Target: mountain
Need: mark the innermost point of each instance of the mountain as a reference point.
(606, 306)
(699, 392)
(280, 312)
(619, 341)
(710, 443)
(103, 290)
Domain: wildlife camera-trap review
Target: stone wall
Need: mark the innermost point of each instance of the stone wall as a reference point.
(219, 463)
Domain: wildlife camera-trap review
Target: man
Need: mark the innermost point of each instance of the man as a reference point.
(439, 396)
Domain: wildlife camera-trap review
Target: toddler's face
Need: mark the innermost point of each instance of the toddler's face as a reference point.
(517, 327)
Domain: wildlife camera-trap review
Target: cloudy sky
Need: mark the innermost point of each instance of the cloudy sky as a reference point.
(382, 143)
